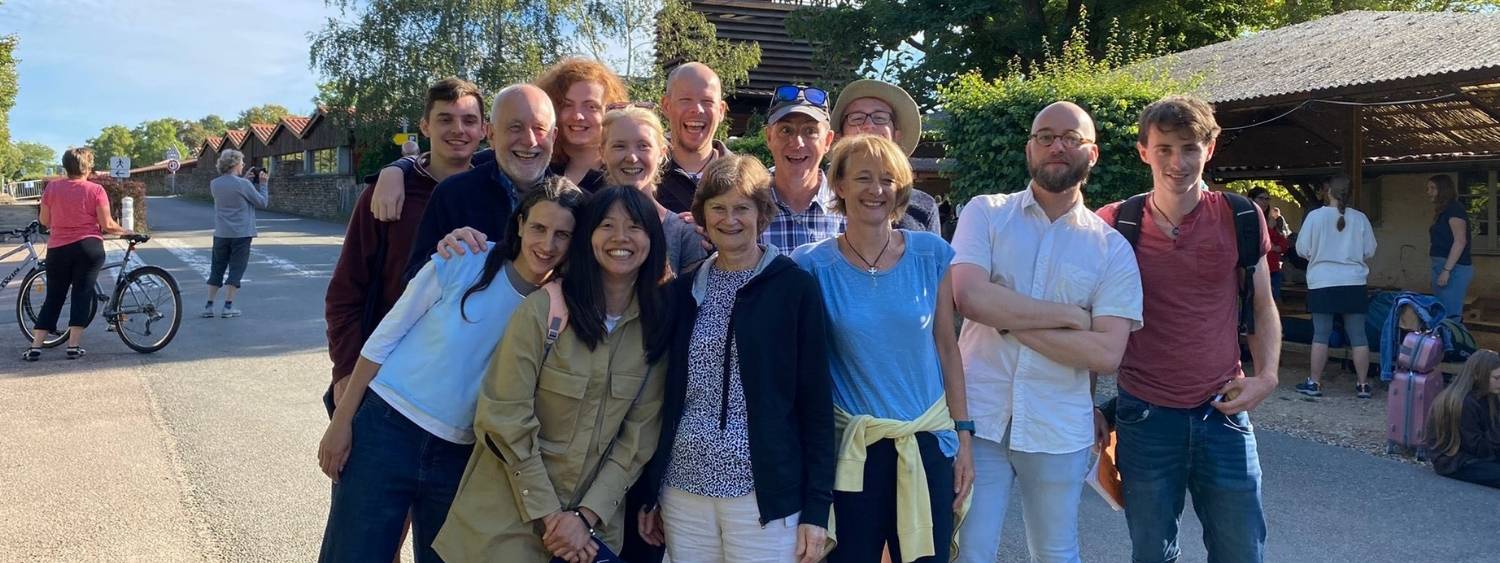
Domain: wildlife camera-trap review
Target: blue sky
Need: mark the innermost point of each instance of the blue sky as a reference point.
(87, 64)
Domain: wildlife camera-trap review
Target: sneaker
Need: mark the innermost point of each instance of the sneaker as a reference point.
(208, 312)
(229, 312)
(1310, 388)
(1362, 390)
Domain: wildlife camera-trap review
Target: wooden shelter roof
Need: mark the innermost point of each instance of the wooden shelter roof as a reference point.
(783, 59)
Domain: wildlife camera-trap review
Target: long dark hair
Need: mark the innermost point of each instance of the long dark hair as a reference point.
(583, 284)
(1447, 193)
(1338, 190)
(1447, 408)
(556, 189)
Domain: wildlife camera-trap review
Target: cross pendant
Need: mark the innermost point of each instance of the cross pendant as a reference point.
(872, 270)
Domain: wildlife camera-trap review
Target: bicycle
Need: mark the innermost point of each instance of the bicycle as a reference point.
(142, 297)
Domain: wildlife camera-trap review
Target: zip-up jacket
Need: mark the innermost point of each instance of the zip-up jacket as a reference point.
(777, 323)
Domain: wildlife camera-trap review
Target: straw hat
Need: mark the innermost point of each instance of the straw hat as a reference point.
(907, 118)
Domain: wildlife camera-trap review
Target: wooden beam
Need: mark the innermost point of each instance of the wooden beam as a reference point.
(1481, 105)
(1354, 153)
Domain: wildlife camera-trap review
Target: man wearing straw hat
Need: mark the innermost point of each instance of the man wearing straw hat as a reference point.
(872, 107)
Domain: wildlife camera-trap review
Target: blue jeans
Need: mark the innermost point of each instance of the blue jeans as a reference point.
(1276, 279)
(1164, 452)
(1050, 486)
(1452, 295)
(395, 468)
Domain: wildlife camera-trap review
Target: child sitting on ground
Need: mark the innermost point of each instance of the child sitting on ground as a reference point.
(1466, 423)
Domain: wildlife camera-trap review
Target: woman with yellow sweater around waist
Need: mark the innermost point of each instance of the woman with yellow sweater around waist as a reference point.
(898, 386)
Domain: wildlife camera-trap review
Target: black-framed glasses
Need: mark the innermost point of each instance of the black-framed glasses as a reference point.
(623, 105)
(1070, 139)
(793, 92)
(858, 119)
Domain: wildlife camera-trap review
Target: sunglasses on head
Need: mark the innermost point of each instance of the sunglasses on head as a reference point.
(793, 92)
(623, 105)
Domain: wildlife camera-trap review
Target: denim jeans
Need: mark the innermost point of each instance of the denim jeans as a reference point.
(1050, 486)
(1452, 295)
(1276, 280)
(394, 468)
(1165, 452)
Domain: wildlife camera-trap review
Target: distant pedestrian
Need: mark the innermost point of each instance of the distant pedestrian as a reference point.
(77, 212)
(1466, 423)
(403, 431)
(1337, 242)
(1276, 227)
(1452, 266)
(410, 148)
(235, 200)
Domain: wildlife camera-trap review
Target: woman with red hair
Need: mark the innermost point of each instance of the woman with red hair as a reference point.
(581, 90)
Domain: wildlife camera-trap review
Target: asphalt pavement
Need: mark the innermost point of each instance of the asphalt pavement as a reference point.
(206, 450)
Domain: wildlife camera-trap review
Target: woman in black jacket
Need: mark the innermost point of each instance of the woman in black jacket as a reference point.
(744, 469)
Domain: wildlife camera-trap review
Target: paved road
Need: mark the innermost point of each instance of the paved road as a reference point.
(205, 450)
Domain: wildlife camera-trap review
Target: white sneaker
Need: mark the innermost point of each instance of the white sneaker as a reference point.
(208, 312)
(229, 312)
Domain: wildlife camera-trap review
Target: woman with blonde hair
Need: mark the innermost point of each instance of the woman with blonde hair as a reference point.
(77, 212)
(1465, 423)
(634, 152)
(580, 89)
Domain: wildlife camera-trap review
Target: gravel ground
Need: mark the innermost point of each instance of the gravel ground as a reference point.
(1338, 418)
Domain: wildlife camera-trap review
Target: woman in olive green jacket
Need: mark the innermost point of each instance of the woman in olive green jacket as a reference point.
(546, 418)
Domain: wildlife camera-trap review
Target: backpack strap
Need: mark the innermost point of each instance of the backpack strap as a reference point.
(1128, 217)
(1248, 230)
(557, 315)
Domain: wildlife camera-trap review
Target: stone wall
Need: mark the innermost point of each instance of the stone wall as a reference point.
(323, 196)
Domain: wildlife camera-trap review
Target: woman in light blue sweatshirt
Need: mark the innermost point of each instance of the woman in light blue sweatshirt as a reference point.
(403, 431)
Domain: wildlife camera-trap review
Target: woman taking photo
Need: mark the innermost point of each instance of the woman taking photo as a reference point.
(635, 146)
(564, 426)
(1452, 267)
(1466, 423)
(1337, 241)
(76, 211)
(401, 447)
(580, 89)
(235, 200)
(898, 384)
(744, 470)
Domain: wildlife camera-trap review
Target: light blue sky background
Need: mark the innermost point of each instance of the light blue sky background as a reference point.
(87, 64)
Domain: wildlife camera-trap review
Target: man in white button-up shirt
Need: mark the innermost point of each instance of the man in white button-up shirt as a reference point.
(1050, 293)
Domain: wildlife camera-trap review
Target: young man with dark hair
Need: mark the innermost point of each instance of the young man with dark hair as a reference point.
(1183, 409)
(369, 275)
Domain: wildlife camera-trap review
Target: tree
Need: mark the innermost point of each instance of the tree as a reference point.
(923, 43)
(34, 160)
(192, 133)
(114, 140)
(267, 113)
(686, 35)
(9, 155)
(152, 141)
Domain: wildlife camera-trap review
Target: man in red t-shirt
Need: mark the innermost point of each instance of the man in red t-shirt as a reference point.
(1182, 414)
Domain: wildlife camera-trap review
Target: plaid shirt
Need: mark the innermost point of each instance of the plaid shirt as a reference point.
(789, 230)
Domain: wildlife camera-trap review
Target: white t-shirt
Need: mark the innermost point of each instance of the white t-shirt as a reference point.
(1336, 258)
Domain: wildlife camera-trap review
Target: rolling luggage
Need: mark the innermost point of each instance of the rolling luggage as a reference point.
(1412, 390)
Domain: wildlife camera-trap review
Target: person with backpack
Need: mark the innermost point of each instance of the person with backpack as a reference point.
(569, 411)
(403, 430)
(1182, 413)
(1337, 242)
(1465, 423)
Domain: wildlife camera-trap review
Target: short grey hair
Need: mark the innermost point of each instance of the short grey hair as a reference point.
(229, 159)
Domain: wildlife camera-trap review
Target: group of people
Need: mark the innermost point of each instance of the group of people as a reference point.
(611, 335)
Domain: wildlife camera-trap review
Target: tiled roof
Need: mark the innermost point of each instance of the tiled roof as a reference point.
(236, 137)
(296, 124)
(215, 141)
(1348, 49)
(263, 131)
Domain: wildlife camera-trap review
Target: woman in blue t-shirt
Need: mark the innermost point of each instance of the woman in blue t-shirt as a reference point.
(898, 384)
(398, 444)
(1452, 268)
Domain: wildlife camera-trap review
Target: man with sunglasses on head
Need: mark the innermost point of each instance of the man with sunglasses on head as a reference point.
(694, 106)
(798, 134)
(873, 107)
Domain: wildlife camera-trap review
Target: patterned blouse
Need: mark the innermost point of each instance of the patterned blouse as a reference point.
(711, 454)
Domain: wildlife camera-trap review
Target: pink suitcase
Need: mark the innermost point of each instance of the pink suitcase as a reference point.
(1406, 408)
(1420, 352)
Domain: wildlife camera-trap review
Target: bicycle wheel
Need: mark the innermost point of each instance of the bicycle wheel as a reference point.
(29, 305)
(147, 309)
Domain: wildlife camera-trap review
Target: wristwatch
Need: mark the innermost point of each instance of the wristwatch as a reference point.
(964, 426)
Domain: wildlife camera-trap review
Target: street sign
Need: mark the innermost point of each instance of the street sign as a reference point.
(119, 166)
(172, 154)
(401, 138)
(173, 165)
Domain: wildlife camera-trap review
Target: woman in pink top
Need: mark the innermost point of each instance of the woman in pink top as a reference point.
(77, 212)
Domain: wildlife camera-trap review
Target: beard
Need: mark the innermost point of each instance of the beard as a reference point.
(1059, 182)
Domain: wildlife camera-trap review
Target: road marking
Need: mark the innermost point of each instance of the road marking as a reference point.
(189, 255)
(287, 265)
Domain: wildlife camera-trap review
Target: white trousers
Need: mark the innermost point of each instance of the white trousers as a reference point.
(724, 530)
(1051, 486)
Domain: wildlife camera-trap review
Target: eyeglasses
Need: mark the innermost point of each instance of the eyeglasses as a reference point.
(793, 92)
(623, 105)
(1071, 139)
(858, 119)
